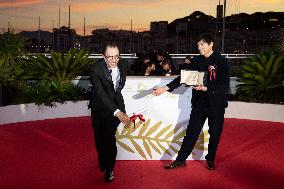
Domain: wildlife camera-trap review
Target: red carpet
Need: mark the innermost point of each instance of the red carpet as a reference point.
(59, 154)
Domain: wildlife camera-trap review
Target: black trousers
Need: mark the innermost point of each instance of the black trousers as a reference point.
(198, 116)
(105, 125)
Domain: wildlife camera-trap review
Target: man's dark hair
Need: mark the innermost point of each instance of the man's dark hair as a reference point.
(167, 61)
(206, 37)
(108, 45)
(161, 53)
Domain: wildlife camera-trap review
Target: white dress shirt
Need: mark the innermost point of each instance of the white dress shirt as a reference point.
(115, 77)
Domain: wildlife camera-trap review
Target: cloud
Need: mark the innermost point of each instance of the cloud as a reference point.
(262, 6)
(271, 1)
(88, 6)
(20, 3)
(19, 17)
(265, 1)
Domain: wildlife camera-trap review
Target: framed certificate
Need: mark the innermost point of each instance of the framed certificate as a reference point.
(192, 78)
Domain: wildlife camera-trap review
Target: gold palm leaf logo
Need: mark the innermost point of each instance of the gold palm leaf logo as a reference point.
(154, 138)
(200, 144)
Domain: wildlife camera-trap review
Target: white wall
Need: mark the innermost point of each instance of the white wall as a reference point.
(255, 111)
(31, 112)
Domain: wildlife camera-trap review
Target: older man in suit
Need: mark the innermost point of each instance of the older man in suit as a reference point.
(107, 105)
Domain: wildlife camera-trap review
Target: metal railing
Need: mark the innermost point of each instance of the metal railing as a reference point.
(229, 56)
(173, 56)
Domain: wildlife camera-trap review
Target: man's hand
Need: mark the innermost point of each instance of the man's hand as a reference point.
(159, 90)
(200, 88)
(123, 118)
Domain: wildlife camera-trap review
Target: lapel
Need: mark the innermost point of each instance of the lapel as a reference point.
(106, 71)
(108, 75)
(122, 75)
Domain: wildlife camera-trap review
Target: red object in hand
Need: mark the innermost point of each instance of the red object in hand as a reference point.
(134, 117)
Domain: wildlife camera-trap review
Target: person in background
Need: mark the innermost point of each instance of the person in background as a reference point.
(208, 101)
(139, 66)
(145, 64)
(160, 58)
(107, 77)
(167, 68)
(150, 69)
(185, 64)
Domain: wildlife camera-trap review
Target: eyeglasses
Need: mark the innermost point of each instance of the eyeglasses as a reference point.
(117, 57)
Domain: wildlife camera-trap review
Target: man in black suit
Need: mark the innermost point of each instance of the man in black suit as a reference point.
(208, 101)
(107, 105)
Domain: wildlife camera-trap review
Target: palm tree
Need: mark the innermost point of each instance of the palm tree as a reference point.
(262, 78)
(58, 68)
(11, 47)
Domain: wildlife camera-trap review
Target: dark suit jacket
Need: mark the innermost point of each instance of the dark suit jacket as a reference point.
(103, 96)
(216, 89)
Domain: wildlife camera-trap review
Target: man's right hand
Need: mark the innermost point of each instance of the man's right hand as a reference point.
(123, 118)
(159, 90)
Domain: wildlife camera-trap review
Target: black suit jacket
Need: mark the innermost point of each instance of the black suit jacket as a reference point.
(103, 96)
(216, 89)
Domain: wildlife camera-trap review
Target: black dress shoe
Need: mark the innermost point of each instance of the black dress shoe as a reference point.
(109, 176)
(210, 165)
(175, 164)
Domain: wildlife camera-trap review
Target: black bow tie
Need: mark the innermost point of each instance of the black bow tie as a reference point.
(110, 70)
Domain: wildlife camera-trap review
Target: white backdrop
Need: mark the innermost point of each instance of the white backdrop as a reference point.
(166, 117)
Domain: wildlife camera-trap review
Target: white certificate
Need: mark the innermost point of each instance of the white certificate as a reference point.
(191, 78)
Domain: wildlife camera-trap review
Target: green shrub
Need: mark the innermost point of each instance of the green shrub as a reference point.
(11, 64)
(46, 92)
(58, 68)
(52, 76)
(11, 58)
(11, 47)
(262, 78)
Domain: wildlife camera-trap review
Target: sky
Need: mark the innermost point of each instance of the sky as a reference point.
(115, 14)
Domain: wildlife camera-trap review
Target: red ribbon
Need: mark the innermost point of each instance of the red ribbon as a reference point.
(135, 116)
(212, 71)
